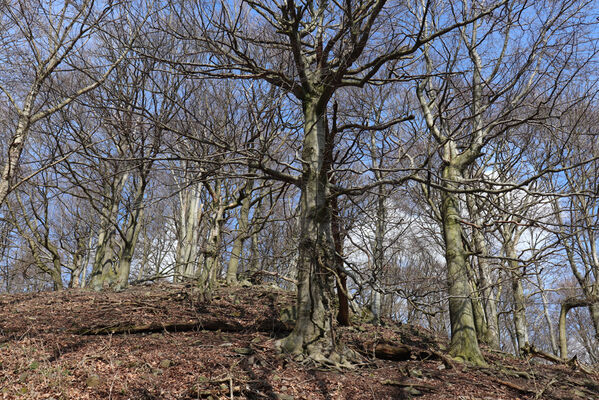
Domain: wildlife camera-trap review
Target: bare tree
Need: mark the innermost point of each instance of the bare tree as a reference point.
(309, 50)
(480, 94)
(48, 42)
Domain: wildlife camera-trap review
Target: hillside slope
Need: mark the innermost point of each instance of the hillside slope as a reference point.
(159, 342)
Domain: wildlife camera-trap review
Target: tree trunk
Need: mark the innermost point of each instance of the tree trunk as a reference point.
(464, 343)
(480, 320)
(491, 334)
(253, 262)
(379, 254)
(554, 344)
(510, 240)
(312, 334)
(15, 149)
(242, 233)
(563, 338)
(188, 230)
(208, 273)
(131, 236)
(567, 305)
(594, 311)
(103, 272)
(341, 281)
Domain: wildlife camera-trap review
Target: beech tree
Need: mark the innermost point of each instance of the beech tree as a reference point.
(481, 83)
(310, 50)
(49, 43)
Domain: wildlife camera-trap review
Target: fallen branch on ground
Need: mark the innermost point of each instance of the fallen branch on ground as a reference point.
(533, 351)
(208, 325)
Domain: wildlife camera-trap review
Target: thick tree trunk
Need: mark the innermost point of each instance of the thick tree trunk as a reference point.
(188, 230)
(519, 311)
(103, 271)
(464, 343)
(312, 333)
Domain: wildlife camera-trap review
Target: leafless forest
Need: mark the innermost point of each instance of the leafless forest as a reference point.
(433, 162)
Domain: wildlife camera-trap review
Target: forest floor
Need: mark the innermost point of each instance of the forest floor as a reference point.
(160, 342)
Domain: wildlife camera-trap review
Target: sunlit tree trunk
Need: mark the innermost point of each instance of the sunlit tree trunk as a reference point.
(190, 215)
(311, 334)
(511, 237)
(103, 270)
(464, 342)
(131, 235)
(243, 230)
(485, 286)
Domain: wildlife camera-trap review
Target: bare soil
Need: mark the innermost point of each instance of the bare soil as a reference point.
(160, 342)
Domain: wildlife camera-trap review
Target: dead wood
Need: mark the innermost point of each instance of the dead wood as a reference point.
(208, 325)
(515, 387)
(573, 362)
(392, 352)
(533, 351)
(406, 384)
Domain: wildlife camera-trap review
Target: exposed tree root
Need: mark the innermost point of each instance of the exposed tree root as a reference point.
(323, 354)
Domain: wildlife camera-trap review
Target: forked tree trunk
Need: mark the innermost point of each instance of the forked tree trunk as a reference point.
(131, 236)
(208, 272)
(464, 343)
(103, 271)
(312, 332)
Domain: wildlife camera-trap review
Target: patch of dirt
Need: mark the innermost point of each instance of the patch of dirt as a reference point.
(62, 345)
